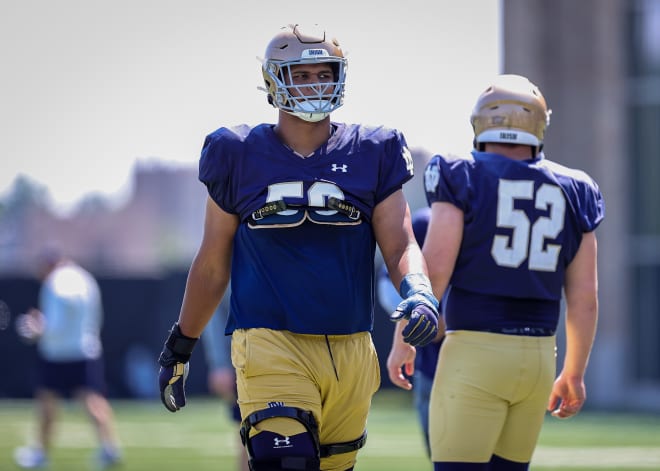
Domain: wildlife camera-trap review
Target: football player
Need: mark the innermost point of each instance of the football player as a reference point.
(221, 378)
(509, 231)
(295, 212)
(404, 360)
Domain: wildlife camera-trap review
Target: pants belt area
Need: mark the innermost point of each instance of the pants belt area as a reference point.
(528, 331)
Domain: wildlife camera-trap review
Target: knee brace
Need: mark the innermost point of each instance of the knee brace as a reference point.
(270, 451)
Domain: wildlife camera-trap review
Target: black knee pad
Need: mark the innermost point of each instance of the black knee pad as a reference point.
(270, 451)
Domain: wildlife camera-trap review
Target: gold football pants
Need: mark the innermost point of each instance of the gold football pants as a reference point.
(333, 376)
(489, 396)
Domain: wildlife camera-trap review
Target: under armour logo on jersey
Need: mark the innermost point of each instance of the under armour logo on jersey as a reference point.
(281, 442)
(340, 168)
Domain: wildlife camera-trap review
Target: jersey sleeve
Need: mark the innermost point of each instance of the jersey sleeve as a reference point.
(219, 151)
(584, 194)
(447, 180)
(396, 165)
(591, 199)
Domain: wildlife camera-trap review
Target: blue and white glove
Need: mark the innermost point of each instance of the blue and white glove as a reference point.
(173, 372)
(419, 307)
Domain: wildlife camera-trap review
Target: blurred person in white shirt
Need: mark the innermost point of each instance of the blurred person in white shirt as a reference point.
(66, 329)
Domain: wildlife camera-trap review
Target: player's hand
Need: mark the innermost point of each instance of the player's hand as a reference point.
(401, 364)
(30, 326)
(422, 325)
(567, 396)
(222, 382)
(172, 381)
(420, 308)
(174, 367)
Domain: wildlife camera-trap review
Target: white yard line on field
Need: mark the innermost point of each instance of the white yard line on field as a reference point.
(603, 457)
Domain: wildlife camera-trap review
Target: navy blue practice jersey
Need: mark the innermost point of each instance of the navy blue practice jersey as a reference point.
(523, 224)
(303, 257)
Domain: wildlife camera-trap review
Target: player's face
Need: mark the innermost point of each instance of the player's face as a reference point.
(306, 79)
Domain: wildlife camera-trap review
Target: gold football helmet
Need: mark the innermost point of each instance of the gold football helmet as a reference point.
(294, 45)
(511, 110)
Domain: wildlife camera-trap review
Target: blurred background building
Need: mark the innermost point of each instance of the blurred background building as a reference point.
(598, 65)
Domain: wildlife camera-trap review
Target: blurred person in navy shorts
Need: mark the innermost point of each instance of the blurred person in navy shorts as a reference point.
(66, 329)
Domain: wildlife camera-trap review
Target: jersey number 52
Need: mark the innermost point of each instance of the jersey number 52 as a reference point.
(528, 239)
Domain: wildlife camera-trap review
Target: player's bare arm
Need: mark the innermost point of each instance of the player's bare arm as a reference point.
(581, 292)
(407, 268)
(393, 231)
(208, 279)
(442, 244)
(209, 272)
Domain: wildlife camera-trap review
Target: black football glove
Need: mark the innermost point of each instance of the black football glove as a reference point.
(173, 372)
(419, 307)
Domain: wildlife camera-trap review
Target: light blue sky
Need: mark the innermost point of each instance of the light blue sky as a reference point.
(90, 87)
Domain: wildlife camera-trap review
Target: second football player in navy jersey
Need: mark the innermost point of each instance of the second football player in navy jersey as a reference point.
(295, 213)
(510, 232)
(517, 244)
(416, 362)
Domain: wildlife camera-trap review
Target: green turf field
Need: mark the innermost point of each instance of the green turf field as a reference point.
(201, 438)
